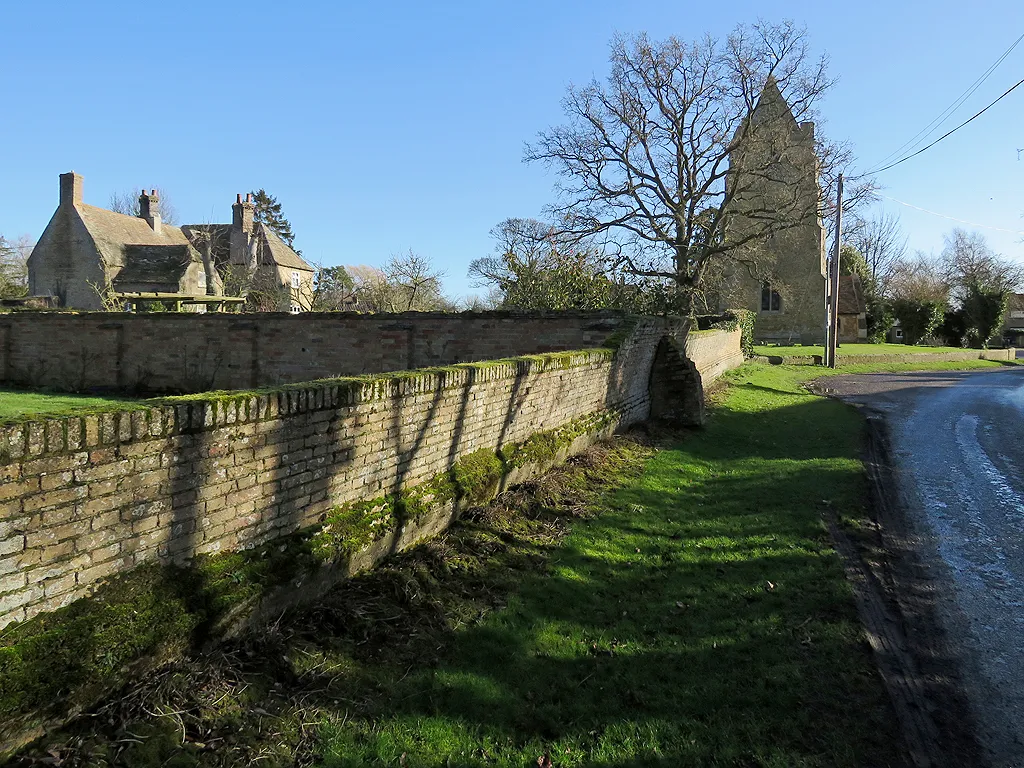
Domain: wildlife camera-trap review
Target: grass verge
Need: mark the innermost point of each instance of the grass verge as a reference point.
(16, 405)
(697, 615)
(852, 350)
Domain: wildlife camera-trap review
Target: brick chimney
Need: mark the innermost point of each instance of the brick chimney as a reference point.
(243, 226)
(149, 209)
(70, 189)
(243, 214)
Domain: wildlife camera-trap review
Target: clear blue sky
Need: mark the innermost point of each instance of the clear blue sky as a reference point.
(388, 126)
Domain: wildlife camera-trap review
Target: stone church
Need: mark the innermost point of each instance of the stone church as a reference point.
(86, 250)
(773, 212)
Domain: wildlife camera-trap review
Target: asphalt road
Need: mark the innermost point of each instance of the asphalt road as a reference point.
(958, 455)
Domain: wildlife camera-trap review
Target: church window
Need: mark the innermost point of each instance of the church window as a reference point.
(771, 301)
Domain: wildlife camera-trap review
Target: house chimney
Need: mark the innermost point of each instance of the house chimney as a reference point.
(149, 209)
(70, 189)
(243, 213)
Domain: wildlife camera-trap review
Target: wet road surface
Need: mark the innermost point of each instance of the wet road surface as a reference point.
(958, 453)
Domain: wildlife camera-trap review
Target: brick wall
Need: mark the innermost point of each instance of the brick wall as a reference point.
(172, 352)
(713, 352)
(85, 497)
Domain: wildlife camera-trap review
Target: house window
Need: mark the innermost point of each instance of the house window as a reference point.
(770, 299)
(296, 280)
(295, 309)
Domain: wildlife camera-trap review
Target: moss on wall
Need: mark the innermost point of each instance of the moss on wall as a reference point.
(56, 663)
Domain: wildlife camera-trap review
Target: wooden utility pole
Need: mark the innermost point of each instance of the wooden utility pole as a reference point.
(832, 337)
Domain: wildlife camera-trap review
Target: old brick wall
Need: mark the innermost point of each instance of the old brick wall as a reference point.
(171, 352)
(713, 352)
(85, 497)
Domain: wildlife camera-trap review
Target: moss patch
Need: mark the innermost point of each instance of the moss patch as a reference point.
(60, 661)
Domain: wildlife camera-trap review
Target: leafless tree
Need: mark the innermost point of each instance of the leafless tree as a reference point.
(127, 202)
(882, 244)
(968, 260)
(645, 158)
(202, 237)
(406, 282)
(919, 278)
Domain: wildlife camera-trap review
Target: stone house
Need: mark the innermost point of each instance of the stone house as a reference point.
(85, 251)
(784, 281)
(1013, 323)
(853, 313)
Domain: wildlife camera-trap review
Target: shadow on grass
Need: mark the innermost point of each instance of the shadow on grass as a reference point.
(701, 618)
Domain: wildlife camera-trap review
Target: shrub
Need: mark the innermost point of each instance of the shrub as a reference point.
(919, 319)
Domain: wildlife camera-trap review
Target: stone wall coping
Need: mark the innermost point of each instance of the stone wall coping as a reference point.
(186, 414)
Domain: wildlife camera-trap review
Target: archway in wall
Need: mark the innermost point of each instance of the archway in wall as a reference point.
(675, 388)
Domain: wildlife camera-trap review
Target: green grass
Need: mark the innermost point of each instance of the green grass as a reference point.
(853, 349)
(693, 613)
(702, 619)
(16, 405)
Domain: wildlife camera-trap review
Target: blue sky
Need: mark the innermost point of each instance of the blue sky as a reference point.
(395, 125)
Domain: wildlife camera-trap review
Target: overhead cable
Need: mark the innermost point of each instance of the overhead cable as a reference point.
(948, 112)
(945, 135)
(953, 218)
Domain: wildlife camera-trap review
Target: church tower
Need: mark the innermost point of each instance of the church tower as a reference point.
(772, 214)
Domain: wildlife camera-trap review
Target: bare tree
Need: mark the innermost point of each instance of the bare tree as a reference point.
(918, 279)
(406, 282)
(882, 244)
(127, 202)
(967, 260)
(648, 160)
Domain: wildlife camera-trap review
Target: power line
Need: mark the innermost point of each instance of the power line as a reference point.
(953, 218)
(948, 133)
(948, 112)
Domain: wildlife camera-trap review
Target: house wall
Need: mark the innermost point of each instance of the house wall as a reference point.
(84, 498)
(853, 328)
(171, 352)
(304, 293)
(65, 261)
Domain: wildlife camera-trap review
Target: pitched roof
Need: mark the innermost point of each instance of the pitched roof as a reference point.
(772, 105)
(851, 295)
(155, 264)
(113, 231)
(281, 254)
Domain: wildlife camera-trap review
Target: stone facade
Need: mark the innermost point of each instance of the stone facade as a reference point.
(86, 250)
(779, 197)
(84, 498)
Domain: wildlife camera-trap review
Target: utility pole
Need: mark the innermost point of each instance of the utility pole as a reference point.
(832, 337)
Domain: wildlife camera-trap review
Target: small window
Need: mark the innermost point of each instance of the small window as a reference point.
(295, 309)
(296, 280)
(771, 301)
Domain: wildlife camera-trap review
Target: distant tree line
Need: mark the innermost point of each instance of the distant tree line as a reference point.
(959, 297)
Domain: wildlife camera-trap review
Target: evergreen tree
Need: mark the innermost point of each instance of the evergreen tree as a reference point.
(268, 211)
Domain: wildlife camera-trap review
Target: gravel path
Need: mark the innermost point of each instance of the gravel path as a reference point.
(957, 462)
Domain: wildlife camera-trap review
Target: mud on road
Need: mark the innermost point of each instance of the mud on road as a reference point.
(944, 566)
